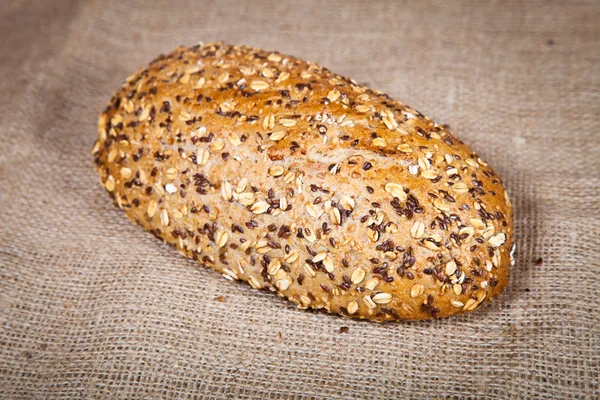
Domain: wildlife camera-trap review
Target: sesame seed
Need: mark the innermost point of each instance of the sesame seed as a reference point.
(457, 304)
(164, 217)
(305, 300)
(110, 183)
(170, 188)
(283, 203)
(151, 208)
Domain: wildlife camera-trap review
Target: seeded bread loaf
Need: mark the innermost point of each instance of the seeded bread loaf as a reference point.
(280, 173)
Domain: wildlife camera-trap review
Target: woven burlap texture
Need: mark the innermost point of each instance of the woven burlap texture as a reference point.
(92, 306)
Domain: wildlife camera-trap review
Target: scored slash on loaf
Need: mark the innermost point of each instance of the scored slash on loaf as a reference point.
(278, 172)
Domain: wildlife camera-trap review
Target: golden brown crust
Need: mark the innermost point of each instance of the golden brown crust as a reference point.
(280, 173)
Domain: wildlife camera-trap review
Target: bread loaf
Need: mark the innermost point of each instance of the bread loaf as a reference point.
(280, 173)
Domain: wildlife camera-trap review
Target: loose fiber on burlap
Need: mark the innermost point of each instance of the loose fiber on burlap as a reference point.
(92, 306)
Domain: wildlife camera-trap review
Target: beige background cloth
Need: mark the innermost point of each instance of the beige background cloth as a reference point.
(91, 306)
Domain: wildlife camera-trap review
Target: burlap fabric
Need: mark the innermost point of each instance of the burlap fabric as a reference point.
(92, 306)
